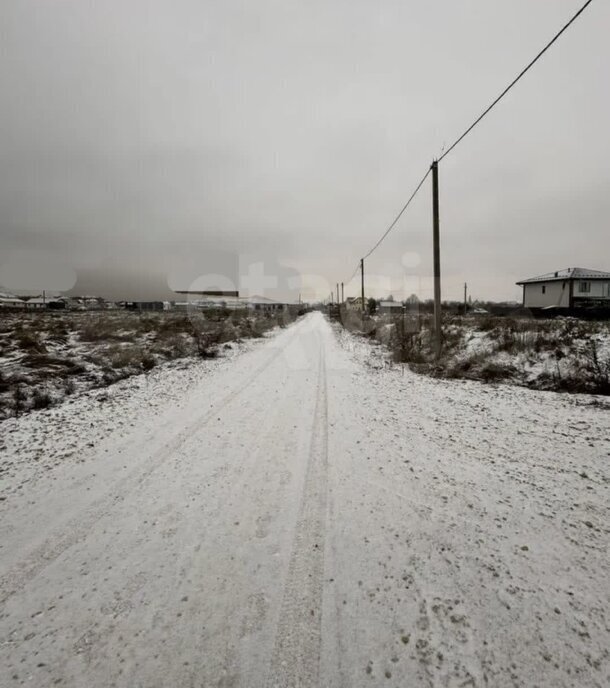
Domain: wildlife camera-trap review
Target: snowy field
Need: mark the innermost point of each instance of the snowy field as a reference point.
(299, 513)
(48, 357)
(562, 354)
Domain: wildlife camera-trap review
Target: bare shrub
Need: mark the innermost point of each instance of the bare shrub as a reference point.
(465, 367)
(125, 357)
(411, 349)
(20, 398)
(108, 327)
(597, 367)
(148, 362)
(69, 386)
(207, 344)
(486, 324)
(30, 341)
(494, 372)
(173, 344)
(41, 399)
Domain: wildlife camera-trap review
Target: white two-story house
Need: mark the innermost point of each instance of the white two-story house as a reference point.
(568, 288)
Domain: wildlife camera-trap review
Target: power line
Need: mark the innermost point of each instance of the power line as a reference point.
(389, 229)
(522, 73)
(353, 273)
(405, 206)
(470, 128)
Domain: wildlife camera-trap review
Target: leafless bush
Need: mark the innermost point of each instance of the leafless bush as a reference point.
(125, 357)
(411, 348)
(597, 367)
(20, 398)
(148, 362)
(491, 371)
(69, 386)
(207, 344)
(30, 341)
(40, 399)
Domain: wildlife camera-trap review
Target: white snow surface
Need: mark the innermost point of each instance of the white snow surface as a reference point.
(301, 513)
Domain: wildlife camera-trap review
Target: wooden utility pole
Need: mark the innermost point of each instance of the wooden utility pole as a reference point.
(437, 260)
(338, 293)
(362, 282)
(342, 294)
(465, 296)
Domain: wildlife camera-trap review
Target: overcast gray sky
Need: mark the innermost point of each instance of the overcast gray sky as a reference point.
(147, 139)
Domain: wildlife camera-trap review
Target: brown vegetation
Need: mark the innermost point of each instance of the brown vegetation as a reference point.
(561, 354)
(46, 356)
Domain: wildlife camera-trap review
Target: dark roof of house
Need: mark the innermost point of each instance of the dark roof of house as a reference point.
(568, 274)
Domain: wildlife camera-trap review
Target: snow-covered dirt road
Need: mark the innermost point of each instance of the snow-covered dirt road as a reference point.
(299, 515)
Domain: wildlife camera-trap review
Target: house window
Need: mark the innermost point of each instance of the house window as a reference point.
(544, 288)
(584, 287)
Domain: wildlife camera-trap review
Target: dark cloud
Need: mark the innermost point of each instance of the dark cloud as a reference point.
(137, 137)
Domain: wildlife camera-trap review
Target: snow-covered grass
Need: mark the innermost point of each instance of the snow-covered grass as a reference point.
(46, 357)
(561, 354)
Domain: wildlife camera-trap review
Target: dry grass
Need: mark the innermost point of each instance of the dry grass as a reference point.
(561, 355)
(46, 356)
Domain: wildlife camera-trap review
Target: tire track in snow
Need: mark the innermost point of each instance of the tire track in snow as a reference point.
(296, 656)
(77, 528)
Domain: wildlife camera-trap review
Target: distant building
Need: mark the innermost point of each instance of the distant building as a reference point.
(389, 308)
(262, 303)
(354, 303)
(85, 303)
(230, 300)
(568, 288)
(36, 303)
(11, 302)
(146, 306)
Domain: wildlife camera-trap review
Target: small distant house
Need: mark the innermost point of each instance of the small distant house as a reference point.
(262, 303)
(209, 299)
(11, 303)
(36, 303)
(30, 303)
(389, 308)
(568, 288)
(145, 306)
(354, 303)
(85, 303)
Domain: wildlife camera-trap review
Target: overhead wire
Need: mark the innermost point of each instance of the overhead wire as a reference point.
(404, 207)
(515, 80)
(471, 127)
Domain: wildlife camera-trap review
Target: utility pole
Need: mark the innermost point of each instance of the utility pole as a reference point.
(437, 260)
(465, 296)
(342, 294)
(338, 292)
(362, 282)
